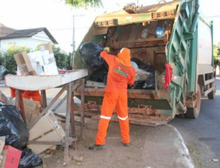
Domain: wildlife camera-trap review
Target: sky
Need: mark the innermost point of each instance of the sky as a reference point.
(57, 17)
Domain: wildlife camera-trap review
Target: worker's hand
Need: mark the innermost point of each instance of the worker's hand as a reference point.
(107, 49)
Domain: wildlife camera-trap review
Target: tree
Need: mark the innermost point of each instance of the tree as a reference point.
(9, 61)
(84, 3)
(1, 59)
(63, 60)
(216, 54)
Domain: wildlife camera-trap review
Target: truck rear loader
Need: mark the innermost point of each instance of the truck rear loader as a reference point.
(182, 59)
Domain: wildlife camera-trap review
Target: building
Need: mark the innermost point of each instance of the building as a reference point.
(30, 38)
(4, 31)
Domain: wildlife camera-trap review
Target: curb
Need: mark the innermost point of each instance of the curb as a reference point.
(183, 160)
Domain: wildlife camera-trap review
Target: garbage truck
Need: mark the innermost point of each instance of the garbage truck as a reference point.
(173, 38)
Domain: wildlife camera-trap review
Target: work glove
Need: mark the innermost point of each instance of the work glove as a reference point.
(107, 49)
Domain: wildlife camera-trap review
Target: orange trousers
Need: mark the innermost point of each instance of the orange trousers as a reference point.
(34, 95)
(110, 102)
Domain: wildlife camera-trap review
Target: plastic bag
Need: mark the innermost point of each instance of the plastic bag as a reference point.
(160, 32)
(90, 53)
(144, 33)
(29, 159)
(134, 65)
(99, 75)
(12, 127)
(150, 82)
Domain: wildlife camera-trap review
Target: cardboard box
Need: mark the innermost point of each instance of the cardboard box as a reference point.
(27, 62)
(47, 46)
(22, 70)
(37, 63)
(32, 110)
(46, 129)
(24, 64)
(19, 59)
(11, 157)
(3, 98)
(36, 57)
(51, 69)
(2, 143)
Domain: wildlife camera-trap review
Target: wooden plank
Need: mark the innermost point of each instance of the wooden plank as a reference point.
(43, 82)
(43, 99)
(94, 84)
(82, 82)
(67, 125)
(48, 107)
(19, 104)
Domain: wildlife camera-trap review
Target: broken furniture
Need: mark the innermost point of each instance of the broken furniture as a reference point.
(69, 82)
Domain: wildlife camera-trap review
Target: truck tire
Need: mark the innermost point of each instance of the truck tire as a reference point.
(193, 113)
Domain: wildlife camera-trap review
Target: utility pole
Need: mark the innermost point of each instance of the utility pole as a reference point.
(74, 40)
(137, 2)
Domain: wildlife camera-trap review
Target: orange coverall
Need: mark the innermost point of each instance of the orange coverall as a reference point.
(34, 95)
(120, 74)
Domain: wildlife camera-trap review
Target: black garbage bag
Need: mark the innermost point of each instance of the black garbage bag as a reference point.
(12, 127)
(150, 82)
(29, 159)
(90, 53)
(99, 75)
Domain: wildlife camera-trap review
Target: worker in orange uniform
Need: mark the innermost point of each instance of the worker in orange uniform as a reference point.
(120, 74)
(34, 95)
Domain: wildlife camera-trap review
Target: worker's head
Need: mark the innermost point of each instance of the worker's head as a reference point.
(124, 57)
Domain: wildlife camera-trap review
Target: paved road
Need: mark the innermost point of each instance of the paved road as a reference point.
(202, 136)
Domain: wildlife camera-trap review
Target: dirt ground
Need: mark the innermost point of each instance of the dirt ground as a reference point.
(150, 148)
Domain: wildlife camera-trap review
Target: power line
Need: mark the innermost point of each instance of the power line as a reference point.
(68, 28)
(215, 16)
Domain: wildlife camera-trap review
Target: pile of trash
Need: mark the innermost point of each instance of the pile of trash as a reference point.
(90, 53)
(14, 137)
(144, 83)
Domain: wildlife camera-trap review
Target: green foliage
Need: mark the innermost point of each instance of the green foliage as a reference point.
(63, 60)
(1, 59)
(8, 57)
(84, 3)
(216, 56)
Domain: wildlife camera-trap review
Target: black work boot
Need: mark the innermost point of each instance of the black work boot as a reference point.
(96, 147)
(126, 144)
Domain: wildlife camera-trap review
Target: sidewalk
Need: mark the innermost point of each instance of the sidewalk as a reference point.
(151, 147)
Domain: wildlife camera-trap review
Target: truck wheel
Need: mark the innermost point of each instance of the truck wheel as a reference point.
(193, 113)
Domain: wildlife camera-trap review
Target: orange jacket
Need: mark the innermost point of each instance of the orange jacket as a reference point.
(119, 75)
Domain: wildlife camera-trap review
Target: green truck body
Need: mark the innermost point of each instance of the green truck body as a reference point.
(186, 49)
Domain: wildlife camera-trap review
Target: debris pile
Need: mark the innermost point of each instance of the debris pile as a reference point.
(14, 137)
(90, 53)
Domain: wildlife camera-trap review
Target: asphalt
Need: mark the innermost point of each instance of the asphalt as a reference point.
(162, 146)
(202, 135)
